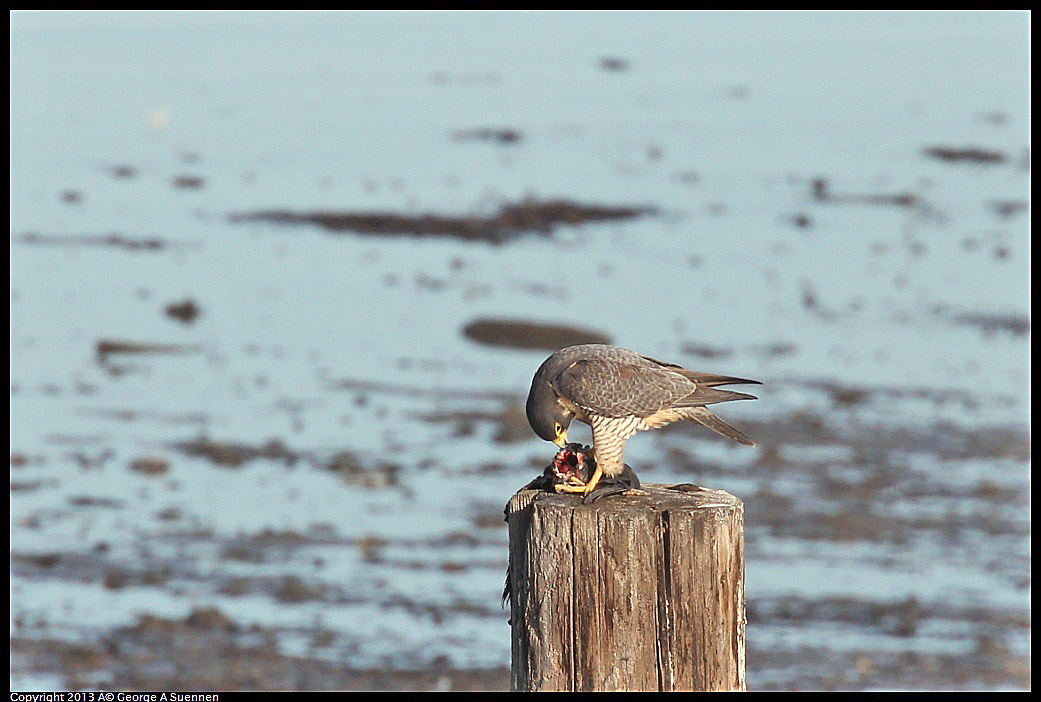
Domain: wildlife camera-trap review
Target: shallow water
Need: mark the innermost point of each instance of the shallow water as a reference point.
(892, 339)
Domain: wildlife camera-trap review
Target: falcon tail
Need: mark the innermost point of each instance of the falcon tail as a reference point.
(711, 379)
(704, 395)
(703, 416)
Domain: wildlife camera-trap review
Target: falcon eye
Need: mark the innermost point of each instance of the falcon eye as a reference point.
(557, 428)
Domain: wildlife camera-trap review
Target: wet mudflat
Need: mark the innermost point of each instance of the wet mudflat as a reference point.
(268, 368)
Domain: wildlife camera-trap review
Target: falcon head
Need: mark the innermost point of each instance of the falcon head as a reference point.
(548, 417)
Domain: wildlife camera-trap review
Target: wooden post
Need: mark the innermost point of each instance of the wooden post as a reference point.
(630, 593)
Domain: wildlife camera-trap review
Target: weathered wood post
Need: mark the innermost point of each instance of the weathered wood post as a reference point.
(632, 593)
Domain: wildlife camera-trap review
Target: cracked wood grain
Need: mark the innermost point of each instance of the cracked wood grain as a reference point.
(639, 593)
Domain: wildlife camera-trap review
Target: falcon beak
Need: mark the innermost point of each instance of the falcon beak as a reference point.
(561, 439)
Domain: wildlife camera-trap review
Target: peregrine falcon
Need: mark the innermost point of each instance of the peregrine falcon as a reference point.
(619, 393)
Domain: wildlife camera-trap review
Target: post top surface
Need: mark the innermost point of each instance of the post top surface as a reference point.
(654, 497)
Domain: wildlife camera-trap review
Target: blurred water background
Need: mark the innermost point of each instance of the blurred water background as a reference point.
(260, 437)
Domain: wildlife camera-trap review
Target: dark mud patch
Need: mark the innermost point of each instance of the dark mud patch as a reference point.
(1006, 209)
(511, 422)
(363, 388)
(901, 617)
(273, 545)
(227, 454)
(106, 349)
(206, 651)
(115, 240)
(826, 668)
(966, 154)
(436, 613)
(822, 193)
(355, 471)
(706, 352)
(846, 394)
(186, 311)
(153, 466)
(1014, 324)
(29, 485)
(123, 172)
(943, 440)
(99, 502)
(129, 415)
(21, 460)
(36, 561)
(90, 566)
(800, 221)
(517, 334)
(293, 589)
(497, 136)
(188, 182)
(776, 350)
(510, 222)
(613, 64)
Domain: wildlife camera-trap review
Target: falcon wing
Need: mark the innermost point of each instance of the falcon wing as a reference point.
(709, 379)
(617, 389)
